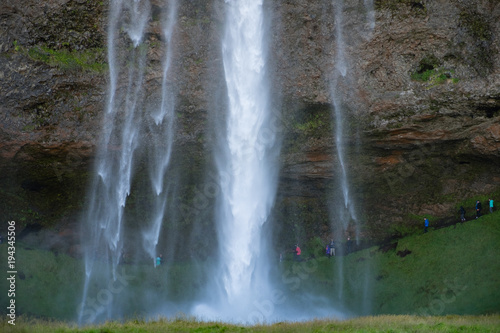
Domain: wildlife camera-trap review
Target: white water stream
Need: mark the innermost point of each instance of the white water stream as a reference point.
(245, 164)
(245, 161)
(345, 212)
(249, 193)
(103, 232)
(161, 132)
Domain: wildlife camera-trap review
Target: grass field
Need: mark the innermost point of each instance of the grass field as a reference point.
(453, 270)
(391, 324)
(423, 278)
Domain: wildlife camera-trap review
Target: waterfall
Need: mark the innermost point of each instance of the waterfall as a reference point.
(245, 163)
(161, 132)
(370, 15)
(103, 224)
(347, 212)
(347, 223)
(340, 61)
(245, 157)
(249, 193)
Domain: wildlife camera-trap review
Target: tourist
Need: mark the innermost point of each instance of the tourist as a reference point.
(426, 224)
(462, 213)
(297, 252)
(349, 242)
(332, 248)
(491, 205)
(478, 209)
(159, 260)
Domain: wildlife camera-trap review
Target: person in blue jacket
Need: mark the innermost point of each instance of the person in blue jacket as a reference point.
(159, 260)
(491, 205)
(426, 224)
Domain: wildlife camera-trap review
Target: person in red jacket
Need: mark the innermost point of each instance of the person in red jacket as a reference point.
(297, 252)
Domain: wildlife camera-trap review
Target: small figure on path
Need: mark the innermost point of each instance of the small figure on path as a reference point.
(491, 205)
(478, 209)
(159, 260)
(332, 248)
(426, 224)
(462, 213)
(297, 252)
(349, 242)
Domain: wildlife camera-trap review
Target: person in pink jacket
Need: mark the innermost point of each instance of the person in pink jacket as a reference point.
(297, 252)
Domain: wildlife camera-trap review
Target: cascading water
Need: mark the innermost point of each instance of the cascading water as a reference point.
(103, 225)
(340, 71)
(340, 61)
(249, 194)
(344, 212)
(245, 163)
(370, 15)
(161, 132)
(348, 212)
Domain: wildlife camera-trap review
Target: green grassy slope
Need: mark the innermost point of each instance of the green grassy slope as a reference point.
(451, 270)
(454, 270)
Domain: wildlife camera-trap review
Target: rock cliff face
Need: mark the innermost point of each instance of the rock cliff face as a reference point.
(421, 99)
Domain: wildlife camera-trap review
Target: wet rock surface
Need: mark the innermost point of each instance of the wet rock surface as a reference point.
(421, 96)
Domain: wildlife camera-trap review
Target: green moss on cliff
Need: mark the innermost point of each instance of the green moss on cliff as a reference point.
(306, 125)
(476, 24)
(313, 125)
(430, 71)
(92, 60)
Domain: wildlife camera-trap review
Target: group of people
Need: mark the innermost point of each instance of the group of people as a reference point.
(330, 250)
(478, 207)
